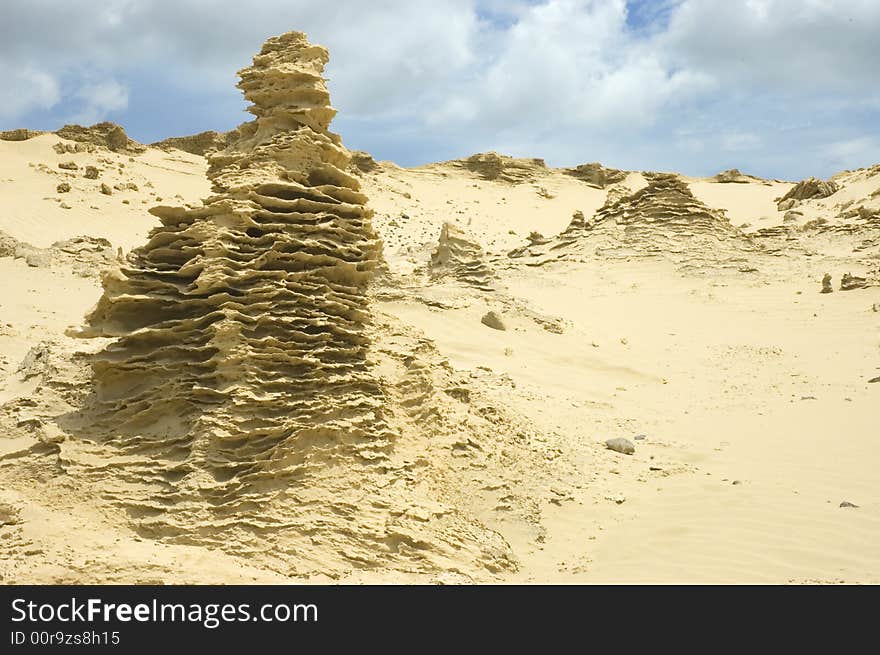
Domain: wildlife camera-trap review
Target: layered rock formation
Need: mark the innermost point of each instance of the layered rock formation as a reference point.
(663, 218)
(492, 166)
(240, 326)
(462, 257)
(363, 162)
(197, 144)
(848, 282)
(806, 190)
(19, 134)
(597, 174)
(106, 134)
(733, 176)
(239, 405)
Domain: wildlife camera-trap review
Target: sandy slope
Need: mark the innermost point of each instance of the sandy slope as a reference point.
(32, 208)
(750, 388)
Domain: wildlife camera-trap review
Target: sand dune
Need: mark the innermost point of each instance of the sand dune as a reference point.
(291, 375)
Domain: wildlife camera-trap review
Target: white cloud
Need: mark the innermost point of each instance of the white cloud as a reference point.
(569, 64)
(768, 85)
(99, 99)
(853, 153)
(740, 142)
(778, 45)
(25, 89)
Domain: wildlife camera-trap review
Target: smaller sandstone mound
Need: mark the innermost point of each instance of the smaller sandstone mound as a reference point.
(664, 218)
(807, 190)
(462, 257)
(362, 162)
(196, 144)
(492, 166)
(33, 256)
(596, 174)
(576, 226)
(19, 134)
(537, 239)
(733, 176)
(89, 256)
(70, 148)
(107, 135)
(36, 362)
(664, 208)
(849, 282)
(86, 250)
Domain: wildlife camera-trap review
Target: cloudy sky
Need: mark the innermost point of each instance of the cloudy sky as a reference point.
(778, 88)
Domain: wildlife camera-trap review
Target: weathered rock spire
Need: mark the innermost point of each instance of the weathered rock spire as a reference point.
(240, 348)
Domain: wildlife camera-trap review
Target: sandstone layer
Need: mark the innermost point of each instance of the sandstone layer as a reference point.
(462, 257)
(197, 144)
(663, 218)
(492, 166)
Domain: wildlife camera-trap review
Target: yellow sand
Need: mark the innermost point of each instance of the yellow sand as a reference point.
(751, 388)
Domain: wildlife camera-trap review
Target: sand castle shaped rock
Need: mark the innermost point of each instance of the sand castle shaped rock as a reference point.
(462, 257)
(665, 206)
(240, 326)
(663, 218)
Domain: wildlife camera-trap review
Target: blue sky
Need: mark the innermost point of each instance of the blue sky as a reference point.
(778, 88)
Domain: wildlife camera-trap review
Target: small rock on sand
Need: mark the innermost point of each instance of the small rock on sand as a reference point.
(64, 187)
(106, 190)
(849, 282)
(826, 284)
(91, 173)
(38, 259)
(621, 445)
(493, 320)
(68, 166)
(846, 503)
